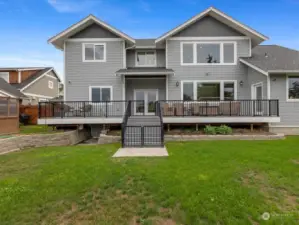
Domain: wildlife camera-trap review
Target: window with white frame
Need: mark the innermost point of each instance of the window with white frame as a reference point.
(5, 76)
(100, 93)
(293, 87)
(208, 90)
(145, 58)
(205, 53)
(94, 52)
(50, 84)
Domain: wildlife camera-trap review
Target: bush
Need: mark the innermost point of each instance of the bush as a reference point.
(223, 129)
(210, 130)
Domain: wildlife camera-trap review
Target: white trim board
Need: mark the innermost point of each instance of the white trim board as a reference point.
(93, 39)
(254, 67)
(145, 73)
(93, 19)
(32, 82)
(210, 12)
(38, 96)
(237, 119)
(76, 120)
(8, 94)
(225, 38)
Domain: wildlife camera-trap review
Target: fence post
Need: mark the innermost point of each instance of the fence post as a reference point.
(39, 109)
(106, 109)
(206, 108)
(270, 102)
(254, 102)
(277, 105)
(142, 135)
(122, 135)
(230, 108)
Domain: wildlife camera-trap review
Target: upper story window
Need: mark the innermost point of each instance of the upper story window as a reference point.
(50, 84)
(206, 53)
(146, 58)
(94, 52)
(5, 76)
(293, 88)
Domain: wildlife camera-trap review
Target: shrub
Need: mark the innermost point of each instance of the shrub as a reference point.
(223, 129)
(210, 130)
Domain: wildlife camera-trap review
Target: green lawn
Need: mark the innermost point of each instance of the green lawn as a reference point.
(36, 129)
(207, 182)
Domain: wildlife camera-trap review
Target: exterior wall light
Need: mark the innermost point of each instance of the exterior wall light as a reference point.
(177, 84)
(241, 83)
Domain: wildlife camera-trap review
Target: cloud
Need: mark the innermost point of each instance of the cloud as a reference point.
(145, 6)
(72, 6)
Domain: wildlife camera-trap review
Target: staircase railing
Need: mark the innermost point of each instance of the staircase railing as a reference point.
(159, 114)
(128, 113)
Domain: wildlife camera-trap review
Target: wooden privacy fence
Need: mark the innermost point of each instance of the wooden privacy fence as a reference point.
(9, 115)
(32, 111)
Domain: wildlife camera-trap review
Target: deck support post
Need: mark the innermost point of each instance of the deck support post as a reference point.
(251, 127)
(196, 127)
(168, 127)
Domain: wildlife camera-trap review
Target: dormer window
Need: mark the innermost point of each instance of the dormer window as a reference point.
(146, 58)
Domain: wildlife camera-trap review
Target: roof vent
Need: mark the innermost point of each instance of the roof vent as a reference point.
(266, 55)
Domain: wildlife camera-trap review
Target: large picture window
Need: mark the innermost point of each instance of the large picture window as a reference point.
(208, 90)
(293, 88)
(206, 53)
(94, 52)
(100, 93)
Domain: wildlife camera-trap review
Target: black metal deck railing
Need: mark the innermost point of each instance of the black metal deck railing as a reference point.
(169, 108)
(225, 108)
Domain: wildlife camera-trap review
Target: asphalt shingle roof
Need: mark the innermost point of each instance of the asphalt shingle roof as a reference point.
(6, 87)
(274, 57)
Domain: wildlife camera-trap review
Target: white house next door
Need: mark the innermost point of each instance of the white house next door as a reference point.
(145, 101)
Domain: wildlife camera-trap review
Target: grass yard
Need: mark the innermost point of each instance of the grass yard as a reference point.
(36, 129)
(207, 182)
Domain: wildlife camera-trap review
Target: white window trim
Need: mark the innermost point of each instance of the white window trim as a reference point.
(253, 86)
(155, 53)
(50, 84)
(95, 60)
(208, 42)
(7, 74)
(210, 81)
(287, 89)
(110, 87)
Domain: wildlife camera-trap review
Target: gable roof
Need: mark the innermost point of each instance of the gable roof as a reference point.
(8, 89)
(58, 39)
(20, 68)
(33, 77)
(215, 13)
(273, 59)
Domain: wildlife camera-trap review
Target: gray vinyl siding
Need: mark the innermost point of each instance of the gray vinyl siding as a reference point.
(256, 77)
(80, 75)
(289, 111)
(199, 72)
(40, 87)
(208, 27)
(160, 57)
(94, 31)
(132, 84)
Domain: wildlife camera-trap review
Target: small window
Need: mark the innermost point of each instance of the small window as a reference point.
(229, 91)
(208, 53)
(188, 54)
(94, 52)
(293, 88)
(98, 94)
(147, 58)
(228, 53)
(50, 84)
(5, 76)
(188, 91)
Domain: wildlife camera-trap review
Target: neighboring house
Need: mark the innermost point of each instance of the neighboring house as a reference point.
(6, 90)
(37, 84)
(210, 69)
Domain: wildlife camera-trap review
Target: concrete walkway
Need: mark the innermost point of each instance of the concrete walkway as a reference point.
(141, 152)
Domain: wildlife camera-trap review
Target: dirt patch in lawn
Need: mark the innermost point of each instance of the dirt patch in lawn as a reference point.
(128, 203)
(279, 196)
(295, 161)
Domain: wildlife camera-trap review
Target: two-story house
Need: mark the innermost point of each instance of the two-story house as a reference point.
(210, 69)
(35, 83)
